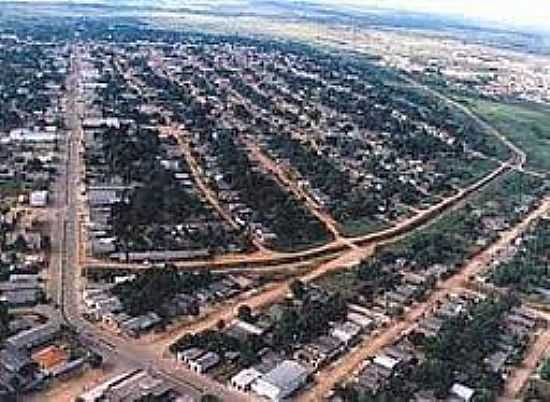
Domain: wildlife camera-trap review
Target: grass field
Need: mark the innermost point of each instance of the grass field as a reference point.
(526, 125)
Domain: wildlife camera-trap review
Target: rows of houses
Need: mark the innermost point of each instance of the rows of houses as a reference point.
(104, 307)
(276, 375)
(36, 354)
(240, 212)
(189, 238)
(403, 356)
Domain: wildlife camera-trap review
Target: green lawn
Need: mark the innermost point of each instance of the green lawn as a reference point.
(526, 125)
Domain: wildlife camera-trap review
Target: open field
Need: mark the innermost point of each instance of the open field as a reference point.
(527, 125)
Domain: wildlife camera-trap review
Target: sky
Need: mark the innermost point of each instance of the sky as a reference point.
(529, 13)
(521, 13)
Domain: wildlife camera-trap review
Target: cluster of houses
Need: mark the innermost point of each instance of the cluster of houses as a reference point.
(275, 378)
(106, 188)
(30, 132)
(241, 213)
(278, 375)
(37, 353)
(402, 355)
(528, 249)
(104, 307)
(285, 79)
(23, 257)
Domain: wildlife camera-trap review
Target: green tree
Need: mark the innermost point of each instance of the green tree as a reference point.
(298, 288)
(245, 313)
(545, 370)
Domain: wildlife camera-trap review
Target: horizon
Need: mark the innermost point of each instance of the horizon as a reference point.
(529, 14)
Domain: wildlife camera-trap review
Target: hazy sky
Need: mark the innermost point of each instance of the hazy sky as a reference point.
(521, 12)
(532, 13)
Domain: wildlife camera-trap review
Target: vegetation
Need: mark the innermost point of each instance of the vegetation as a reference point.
(307, 320)
(223, 344)
(448, 242)
(293, 224)
(461, 346)
(545, 370)
(155, 211)
(529, 269)
(151, 290)
(5, 319)
(456, 354)
(525, 124)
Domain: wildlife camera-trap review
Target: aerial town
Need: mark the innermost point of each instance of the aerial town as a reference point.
(193, 216)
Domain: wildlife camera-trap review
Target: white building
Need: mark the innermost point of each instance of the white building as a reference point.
(347, 332)
(26, 135)
(462, 392)
(282, 381)
(243, 380)
(39, 199)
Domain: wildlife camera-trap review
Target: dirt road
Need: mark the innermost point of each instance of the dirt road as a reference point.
(520, 375)
(203, 187)
(329, 377)
(278, 172)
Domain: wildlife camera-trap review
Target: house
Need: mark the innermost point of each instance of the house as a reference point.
(282, 381)
(205, 362)
(17, 372)
(21, 297)
(50, 357)
(65, 368)
(243, 380)
(386, 362)
(247, 328)
(189, 355)
(15, 360)
(182, 304)
(134, 327)
(114, 321)
(347, 332)
(496, 362)
(320, 352)
(133, 386)
(34, 337)
(462, 392)
(373, 377)
(38, 199)
(363, 321)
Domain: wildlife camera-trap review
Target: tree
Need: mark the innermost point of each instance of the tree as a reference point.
(220, 325)
(210, 398)
(95, 360)
(20, 244)
(245, 313)
(545, 370)
(5, 319)
(298, 288)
